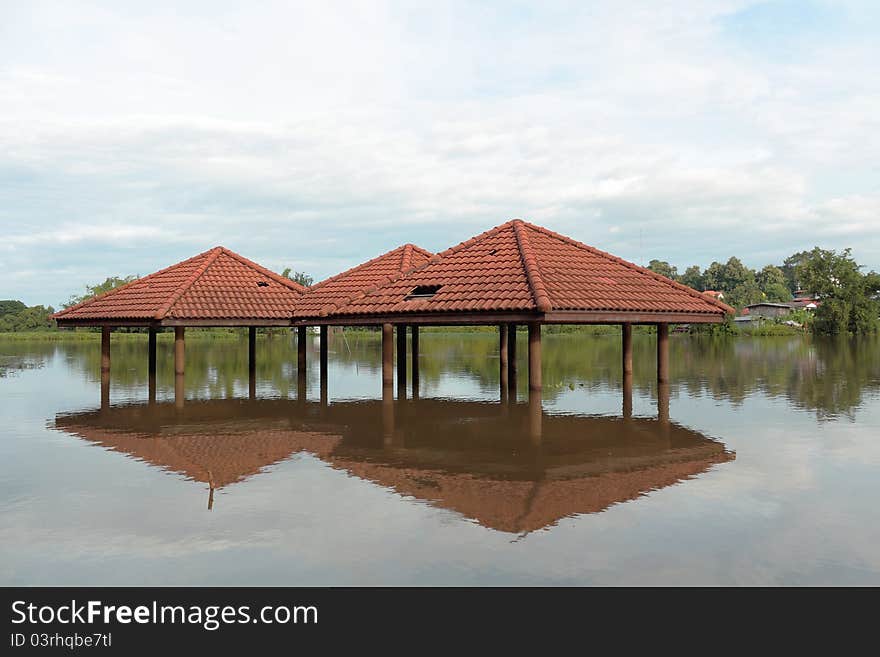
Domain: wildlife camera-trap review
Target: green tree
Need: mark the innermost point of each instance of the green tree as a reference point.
(713, 277)
(664, 269)
(693, 277)
(110, 283)
(847, 297)
(30, 319)
(298, 276)
(10, 306)
(789, 269)
(773, 284)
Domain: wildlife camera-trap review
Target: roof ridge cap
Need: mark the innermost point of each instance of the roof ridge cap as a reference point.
(293, 285)
(141, 279)
(533, 270)
(165, 307)
(631, 265)
(406, 257)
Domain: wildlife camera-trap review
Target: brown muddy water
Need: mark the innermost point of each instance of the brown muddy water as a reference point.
(763, 470)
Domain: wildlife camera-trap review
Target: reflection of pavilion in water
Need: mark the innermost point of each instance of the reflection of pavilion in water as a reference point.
(483, 460)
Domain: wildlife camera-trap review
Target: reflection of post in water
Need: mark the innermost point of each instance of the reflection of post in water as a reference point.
(663, 409)
(151, 388)
(502, 362)
(415, 361)
(301, 384)
(210, 491)
(387, 414)
(536, 417)
(179, 390)
(252, 384)
(105, 389)
(627, 395)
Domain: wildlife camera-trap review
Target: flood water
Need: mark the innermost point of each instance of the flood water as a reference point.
(757, 465)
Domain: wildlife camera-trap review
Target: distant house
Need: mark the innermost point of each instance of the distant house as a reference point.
(767, 310)
(715, 295)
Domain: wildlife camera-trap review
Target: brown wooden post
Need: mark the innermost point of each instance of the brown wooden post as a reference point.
(414, 348)
(663, 353)
(179, 350)
(387, 354)
(401, 361)
(301, 348)
(627, 349)
(105, 348)
(502, 360)
(151, 350)
(252, 349)
(511, 360)
(323, 358)
(534, 356)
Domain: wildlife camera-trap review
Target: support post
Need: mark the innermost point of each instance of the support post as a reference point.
(502, 360)
(534, 356)
(663, 353)
(252, 349)
(179, 391)
(414, 347)
(387, 413)
(151, 351)
(401, 361)
(387, 354)
(627, 349)
(301, 348)
(323, 358)
(511, 361)
(105, 348)
(179, 350)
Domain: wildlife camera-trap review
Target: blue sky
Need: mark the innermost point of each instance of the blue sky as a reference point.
(317, 136)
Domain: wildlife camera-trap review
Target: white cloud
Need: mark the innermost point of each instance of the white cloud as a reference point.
(353, 128)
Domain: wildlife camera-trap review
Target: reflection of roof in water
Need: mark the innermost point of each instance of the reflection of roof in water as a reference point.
(478, 459)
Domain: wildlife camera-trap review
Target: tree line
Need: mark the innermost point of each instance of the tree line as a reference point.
(848, 298)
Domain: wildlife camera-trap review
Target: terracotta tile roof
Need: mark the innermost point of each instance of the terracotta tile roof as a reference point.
(337, 290)
(518, 266)
(216, 284)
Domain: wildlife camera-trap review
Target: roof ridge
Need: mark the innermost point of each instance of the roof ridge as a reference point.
(406, 257)
(533, 269)
(333, 307)
(644, 270)
(165, 307)
(142, 279)
(293, 285)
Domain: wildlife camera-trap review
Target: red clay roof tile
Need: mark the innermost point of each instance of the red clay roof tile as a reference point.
(335, 291)
(218, 284)
(518, 266)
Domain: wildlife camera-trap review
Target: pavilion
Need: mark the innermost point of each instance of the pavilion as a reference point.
(215, 288)
(519, 273)
(514, 274)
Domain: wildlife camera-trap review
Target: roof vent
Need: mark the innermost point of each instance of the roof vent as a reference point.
(423, 292)
(262, 284)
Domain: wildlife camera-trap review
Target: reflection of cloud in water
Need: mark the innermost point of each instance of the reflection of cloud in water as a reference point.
(481, 460)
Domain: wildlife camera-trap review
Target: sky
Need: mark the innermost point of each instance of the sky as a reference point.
(319, 135)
